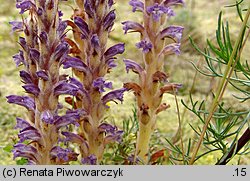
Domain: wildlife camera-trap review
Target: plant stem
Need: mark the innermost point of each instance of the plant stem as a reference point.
(222, 85)
(180, 126)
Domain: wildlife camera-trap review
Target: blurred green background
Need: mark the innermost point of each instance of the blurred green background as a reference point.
(199, 17)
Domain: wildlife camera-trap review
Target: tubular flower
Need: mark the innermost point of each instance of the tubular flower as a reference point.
(153, 82)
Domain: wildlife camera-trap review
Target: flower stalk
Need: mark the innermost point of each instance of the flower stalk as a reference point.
(91, 60)
(42, 51)
(153, 82)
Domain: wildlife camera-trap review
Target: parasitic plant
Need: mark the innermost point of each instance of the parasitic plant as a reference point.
(90, 60)
(153, 81)
(43, 50)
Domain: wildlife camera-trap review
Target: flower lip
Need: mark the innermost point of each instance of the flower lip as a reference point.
(21, 124)
(113, 95)
(32, 89)
(26, 77)
(75, 63)
(16, 26)
(173, 2)
(90, 160)
(130, 25)
(135, 67)
(145, 45)
(24, 101)
(108, 21)
(174, 32)
(100, 84)
(158, 10)
(136, 5)
(19, 58)
(24, 5)
(29, 133)
(80, 23)
(114, 50)
(64, 155)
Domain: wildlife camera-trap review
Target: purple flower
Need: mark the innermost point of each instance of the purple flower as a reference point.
(158, 10)
(135, 67)
(61, 51)
(173, 2)
(29, 133)
(90, 160)
(42, 74)
(100, 84)
(47, 117)
(26, 77)
(19, 58)
(145, 45)
(89, 9)
(64, 87)
(21, 124)
(23, 43)
(34, 55)
(116, 94)
(16, 25)
(24, 5)
(82, 25)
(32, 89)
(172, 48)
(43, 37)
(110, 3)
(111, 63)
(76, 63)
(26, 151)
(108, 128)
(108, 21)
(95, 42)
(61, 28)
(114, 50)
(72, 137)
(70, 117)
(24, 101)
(63, 155)
(174, 32)
(130, 25)
(137, 5)
(115, 136)
(77, 83)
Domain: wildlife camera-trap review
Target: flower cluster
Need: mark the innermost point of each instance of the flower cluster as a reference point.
(153, 82)
(91, 60)
(43, 50)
